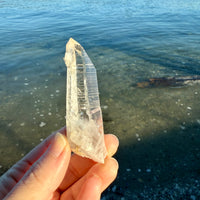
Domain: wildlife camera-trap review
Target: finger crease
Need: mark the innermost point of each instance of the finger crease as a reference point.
(4, 189)
(72, 170)
(12, 176)
(33, 174)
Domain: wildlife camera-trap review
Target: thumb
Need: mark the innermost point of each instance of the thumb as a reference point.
(46, 174)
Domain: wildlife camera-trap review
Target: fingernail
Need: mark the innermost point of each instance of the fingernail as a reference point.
(113, 166)
(58, 144)
(113, 146)
(115, 163)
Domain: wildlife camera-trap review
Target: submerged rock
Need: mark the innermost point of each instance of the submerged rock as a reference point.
(169, 81)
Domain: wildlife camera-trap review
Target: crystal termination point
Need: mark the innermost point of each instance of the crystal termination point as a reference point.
(83, 113)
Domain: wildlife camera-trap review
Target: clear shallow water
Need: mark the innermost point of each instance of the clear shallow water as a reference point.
(129, 42)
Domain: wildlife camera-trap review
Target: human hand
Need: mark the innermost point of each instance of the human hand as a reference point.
(50, 172)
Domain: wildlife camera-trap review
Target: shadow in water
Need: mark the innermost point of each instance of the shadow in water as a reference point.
(170, 60)
(159, 161)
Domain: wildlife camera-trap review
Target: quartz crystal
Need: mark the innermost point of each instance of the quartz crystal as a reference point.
(83, 113)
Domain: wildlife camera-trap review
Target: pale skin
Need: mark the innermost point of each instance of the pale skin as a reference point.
(51, 172)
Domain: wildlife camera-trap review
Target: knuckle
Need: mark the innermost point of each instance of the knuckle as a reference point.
(33, 177)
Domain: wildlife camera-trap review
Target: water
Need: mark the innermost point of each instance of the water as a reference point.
(129, 42)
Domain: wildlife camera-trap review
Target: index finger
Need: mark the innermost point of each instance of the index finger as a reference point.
(38, 151)
(15, 173)
(21, 167)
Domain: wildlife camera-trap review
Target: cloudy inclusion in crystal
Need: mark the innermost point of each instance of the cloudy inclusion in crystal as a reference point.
(84, 117)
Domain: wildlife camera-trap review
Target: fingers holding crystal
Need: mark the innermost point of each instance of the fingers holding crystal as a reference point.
(79, 166)
(106, 172)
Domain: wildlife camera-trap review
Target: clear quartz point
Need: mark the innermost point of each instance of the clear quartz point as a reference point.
(83, 113)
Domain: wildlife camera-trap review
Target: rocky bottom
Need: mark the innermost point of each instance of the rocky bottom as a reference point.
(174, 191)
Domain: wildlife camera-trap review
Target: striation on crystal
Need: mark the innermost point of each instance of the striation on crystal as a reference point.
(83, 112)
